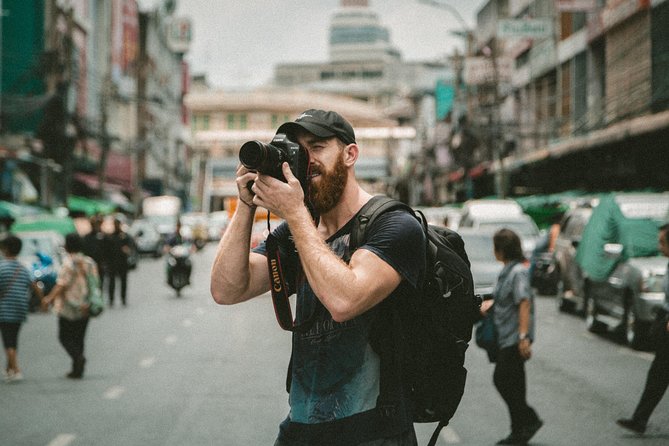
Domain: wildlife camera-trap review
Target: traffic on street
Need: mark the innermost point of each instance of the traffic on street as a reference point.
(168, 370)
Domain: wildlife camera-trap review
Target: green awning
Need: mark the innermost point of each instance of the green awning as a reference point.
(44, 222)
(90, 206)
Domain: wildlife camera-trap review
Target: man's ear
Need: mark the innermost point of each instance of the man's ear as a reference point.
(351, 153)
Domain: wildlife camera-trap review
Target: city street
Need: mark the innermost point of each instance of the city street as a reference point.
(184, 371)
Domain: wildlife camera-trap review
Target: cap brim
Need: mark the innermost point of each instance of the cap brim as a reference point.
(291, 127)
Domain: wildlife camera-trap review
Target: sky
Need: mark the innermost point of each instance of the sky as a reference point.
(237, 43)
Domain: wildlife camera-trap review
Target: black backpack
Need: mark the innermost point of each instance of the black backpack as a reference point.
(435, 327)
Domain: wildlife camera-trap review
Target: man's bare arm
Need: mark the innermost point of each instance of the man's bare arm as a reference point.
(237, 274)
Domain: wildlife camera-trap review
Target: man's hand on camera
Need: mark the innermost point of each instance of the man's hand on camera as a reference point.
(244, 176)
(279, 198)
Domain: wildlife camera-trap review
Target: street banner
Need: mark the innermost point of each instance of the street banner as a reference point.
(575, 5)
(529, 28)
(481, 70)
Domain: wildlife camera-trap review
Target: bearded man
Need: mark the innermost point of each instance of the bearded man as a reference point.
(335, 369)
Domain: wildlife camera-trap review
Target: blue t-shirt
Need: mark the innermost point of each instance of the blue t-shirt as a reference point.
(335, 370)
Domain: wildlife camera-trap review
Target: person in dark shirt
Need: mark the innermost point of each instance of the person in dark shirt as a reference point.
(335, 376)
(95, 245)
(119, 244)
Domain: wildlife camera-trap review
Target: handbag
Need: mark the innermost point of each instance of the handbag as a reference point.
(486, 336)
(94, 295)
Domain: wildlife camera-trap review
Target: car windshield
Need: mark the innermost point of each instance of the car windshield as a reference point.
(522, 228)
(479, 247)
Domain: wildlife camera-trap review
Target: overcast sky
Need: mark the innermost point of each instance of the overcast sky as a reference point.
(237, 43)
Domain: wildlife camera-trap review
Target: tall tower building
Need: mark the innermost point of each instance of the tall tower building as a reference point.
(357, 35)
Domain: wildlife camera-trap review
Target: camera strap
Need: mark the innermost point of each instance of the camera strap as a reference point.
(281, 290)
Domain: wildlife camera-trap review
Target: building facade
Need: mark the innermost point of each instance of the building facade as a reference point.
(80, 78)
(587, 101)
(222, 121)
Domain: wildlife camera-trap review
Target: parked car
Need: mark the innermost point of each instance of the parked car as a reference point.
(147, 238)
(500, 214)
(569, 287)
(485, 267)
(42, 254)
(446, 216)
(623, 270)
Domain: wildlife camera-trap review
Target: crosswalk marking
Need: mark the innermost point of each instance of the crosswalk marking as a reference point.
(171, 340)
(114, 393)
(187, 323)
(62, 440)
(147, 362)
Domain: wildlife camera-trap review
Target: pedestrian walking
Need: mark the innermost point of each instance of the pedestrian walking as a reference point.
(69, 301)
(334, 379)
(16, 286)
(119, 244)
(658, 374)
(95, 245)
(513, 317)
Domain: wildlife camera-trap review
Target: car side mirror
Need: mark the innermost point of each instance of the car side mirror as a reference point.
(613, 250)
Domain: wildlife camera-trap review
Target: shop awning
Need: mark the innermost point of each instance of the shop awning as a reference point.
(90, 206)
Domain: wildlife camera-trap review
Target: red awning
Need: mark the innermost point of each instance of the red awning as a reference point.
(118, 170)
(455, 176)
(91, 180)
(478, 170)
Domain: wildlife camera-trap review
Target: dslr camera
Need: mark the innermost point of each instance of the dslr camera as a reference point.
(268, 158)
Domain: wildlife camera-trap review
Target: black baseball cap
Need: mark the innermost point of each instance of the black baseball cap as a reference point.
(321, 123)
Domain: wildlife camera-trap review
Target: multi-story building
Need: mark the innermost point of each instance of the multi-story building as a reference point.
(364, 64)
(75, 106)
(589, 100)
(222, 121)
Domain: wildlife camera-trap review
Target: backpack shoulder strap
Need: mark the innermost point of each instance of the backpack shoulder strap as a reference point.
(376, 206)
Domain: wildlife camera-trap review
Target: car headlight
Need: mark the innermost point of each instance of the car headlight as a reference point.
(652, 283)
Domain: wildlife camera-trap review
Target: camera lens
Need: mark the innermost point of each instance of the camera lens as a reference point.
(253, 154)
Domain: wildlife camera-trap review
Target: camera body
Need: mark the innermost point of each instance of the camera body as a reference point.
(268, 158)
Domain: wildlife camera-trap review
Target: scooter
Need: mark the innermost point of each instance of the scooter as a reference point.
(179, 267)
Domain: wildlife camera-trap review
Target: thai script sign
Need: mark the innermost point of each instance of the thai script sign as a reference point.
(531, 28)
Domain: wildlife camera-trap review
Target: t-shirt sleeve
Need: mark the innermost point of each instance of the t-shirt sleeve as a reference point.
(521, 284)
(397, 238)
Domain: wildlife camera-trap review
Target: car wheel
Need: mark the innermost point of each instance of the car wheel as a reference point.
(591, 322)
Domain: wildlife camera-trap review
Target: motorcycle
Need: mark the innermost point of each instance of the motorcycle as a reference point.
(179, 267)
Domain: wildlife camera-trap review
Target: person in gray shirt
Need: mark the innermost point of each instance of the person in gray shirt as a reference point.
(513, 317)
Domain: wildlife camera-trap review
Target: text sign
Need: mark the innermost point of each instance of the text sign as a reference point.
(529, 28)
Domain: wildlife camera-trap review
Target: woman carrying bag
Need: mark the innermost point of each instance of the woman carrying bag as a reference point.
(513, 318)
(69, 297)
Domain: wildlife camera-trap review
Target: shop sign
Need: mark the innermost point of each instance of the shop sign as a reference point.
(529, 28)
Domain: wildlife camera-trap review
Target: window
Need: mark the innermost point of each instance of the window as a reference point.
(242, 121)
(231, 121)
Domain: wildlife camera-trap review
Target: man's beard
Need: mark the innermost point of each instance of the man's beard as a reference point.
(326, 194)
